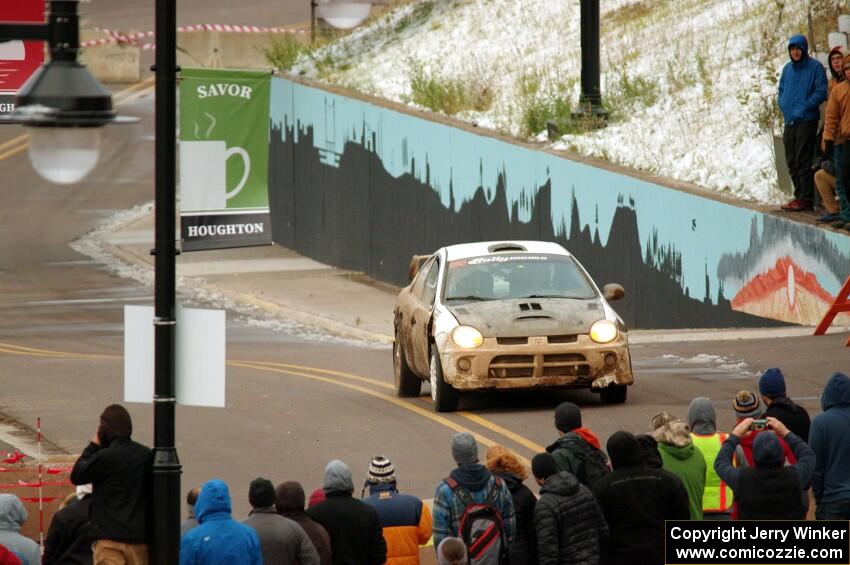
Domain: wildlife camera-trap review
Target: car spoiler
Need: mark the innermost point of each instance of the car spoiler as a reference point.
(416, 263)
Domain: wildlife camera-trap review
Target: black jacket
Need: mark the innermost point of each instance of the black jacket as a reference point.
(792, 415)
(524, 547)
(770, 490)
(120, 477)
(354, 528)
(570, 527)
(68, 541)
(636, 501)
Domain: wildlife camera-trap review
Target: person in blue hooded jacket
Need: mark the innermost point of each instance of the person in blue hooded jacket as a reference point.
(828, 439)
(802, 89)
(218, 539)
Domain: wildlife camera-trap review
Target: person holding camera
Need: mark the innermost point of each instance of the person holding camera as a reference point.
(770, 490)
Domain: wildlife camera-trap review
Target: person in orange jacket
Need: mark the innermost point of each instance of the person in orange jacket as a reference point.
(406, 521)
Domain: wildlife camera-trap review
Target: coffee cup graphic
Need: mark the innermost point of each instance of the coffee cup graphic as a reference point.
(203, 174)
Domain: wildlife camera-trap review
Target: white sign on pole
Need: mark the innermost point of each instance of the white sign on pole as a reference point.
(199, 349)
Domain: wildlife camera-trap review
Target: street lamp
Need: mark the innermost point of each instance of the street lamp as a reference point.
(62, 105)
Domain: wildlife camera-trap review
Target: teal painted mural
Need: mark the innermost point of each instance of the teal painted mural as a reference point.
(362, 186)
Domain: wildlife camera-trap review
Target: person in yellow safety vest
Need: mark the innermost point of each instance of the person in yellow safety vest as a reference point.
(717, 497)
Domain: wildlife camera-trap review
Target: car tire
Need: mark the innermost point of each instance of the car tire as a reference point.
(614, 394)
(407, 384)
(444, 395)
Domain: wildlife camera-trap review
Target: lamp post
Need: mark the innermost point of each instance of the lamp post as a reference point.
(165, 546)
(63, 106)
(590, 100)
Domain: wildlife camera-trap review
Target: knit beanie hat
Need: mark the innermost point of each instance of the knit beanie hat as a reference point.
(543, 466)
(290, 496)
(772, 383)
(464, 449)
(261, 493)
(381, 470)
(624, 450)
(767, 450)
(451, 551)
(746, 405)
(567, 417)
(114, 423)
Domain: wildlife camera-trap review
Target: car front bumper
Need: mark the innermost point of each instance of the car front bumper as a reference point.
(511, 363)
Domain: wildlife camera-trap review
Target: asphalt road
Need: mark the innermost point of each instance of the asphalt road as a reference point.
(292, 404)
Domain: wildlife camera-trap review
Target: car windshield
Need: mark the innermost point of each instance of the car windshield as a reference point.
(516, 275)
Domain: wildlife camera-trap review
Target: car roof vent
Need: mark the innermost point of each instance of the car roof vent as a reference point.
(505, 247)
(536, 306)
(524, 307)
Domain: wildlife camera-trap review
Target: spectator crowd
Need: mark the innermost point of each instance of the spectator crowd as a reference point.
(593, 506)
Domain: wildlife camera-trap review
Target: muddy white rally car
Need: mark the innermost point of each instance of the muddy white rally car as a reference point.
(507, 315)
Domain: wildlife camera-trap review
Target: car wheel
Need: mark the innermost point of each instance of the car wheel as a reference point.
(406, 382)
(614, 394)
(444, 396)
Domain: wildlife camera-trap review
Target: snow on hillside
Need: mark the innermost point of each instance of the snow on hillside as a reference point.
(689, 81)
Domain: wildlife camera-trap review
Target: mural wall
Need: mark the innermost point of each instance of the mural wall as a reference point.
(364, 187)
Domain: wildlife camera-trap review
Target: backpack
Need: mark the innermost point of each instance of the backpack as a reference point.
(593, 466)
(481, 527)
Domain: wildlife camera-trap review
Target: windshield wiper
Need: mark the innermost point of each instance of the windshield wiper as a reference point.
(470, 297)
(554, 296)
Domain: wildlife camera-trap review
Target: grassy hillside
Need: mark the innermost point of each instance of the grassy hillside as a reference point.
(690, 84)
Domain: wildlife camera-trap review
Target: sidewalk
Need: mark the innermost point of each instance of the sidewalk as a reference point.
(275, 282)
(278, 284)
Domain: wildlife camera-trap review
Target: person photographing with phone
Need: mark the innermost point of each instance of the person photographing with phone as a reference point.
(769, 490)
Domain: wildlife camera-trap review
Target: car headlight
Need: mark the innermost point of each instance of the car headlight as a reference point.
(603, 331)
(467, 336)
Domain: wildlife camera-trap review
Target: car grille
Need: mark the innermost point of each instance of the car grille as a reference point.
(542, 365)
(552, 339)
(512, 340)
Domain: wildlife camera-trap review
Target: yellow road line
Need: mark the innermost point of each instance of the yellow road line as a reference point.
(148, 82)
(34, 352)
(535, 447)
(127, 95)
(391, 399)
(293, 369)
(14, 151)
(525, 442)
(13, 141)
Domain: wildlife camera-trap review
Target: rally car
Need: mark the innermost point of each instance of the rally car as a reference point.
(507, 315)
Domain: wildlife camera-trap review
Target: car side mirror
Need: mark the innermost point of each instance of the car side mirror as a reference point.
(613, 291)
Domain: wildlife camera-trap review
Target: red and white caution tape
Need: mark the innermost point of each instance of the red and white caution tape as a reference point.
(114, 37)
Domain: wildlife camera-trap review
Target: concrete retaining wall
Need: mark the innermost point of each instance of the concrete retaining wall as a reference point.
(363, 184)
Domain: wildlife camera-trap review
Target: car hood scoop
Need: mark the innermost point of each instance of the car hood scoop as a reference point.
(528, 317)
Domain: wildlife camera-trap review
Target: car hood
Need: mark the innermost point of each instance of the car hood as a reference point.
(529, 316)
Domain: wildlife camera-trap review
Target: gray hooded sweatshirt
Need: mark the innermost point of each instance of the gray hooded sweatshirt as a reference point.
(702, 419)
(337, 478)
(12, 517)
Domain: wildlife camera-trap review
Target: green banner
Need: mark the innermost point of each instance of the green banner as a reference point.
(224, 153)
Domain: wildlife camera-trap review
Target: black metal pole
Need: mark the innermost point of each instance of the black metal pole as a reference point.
(590, 91)
(165, 546)
(313, 21)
